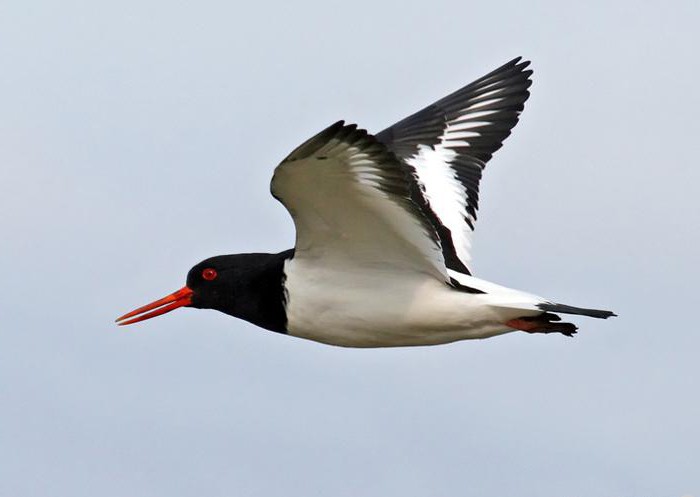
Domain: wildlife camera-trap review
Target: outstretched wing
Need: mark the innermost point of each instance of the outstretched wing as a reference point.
(446, 146)
(351, 203)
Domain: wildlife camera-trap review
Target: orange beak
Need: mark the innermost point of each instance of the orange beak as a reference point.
(180, 298)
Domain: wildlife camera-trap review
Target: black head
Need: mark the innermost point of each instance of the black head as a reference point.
(215, 282)
(248, 286)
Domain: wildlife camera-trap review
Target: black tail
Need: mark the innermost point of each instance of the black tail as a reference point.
(551, 323)
(569, 309)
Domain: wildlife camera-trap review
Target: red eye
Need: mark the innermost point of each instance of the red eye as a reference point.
(209, 274)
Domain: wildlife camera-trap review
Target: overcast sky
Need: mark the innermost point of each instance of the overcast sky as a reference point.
(138, 138)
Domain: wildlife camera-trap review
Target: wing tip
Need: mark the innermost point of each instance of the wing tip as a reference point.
(518, 62)
(313, 144)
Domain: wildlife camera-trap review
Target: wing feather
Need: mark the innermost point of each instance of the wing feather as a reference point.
(446, 145)
(350, 199)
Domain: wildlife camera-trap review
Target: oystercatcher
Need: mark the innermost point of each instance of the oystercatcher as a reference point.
(383, 228)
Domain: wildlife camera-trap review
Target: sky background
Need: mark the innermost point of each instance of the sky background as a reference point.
(138, 138)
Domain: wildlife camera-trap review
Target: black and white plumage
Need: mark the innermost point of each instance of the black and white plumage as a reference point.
(384, 228)
(446, 147)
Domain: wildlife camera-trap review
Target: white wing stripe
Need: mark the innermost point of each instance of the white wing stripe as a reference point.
(444, 193)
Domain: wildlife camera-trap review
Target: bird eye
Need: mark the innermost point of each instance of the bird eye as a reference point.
(209, 274)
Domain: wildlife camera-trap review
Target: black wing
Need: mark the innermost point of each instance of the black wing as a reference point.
(446, 145)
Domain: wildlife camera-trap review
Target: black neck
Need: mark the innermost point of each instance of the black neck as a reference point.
(249, 287)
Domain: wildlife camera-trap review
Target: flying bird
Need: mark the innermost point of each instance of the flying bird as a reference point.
(383, 235)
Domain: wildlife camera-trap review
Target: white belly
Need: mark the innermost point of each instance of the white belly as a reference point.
(360, 307)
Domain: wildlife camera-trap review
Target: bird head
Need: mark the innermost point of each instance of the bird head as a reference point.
(210, 285)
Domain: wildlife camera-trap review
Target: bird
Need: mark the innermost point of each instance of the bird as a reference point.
(384, 225)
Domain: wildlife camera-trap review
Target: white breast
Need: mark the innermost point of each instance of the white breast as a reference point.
(382, 307)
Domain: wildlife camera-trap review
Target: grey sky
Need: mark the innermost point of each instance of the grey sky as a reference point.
(137, 138)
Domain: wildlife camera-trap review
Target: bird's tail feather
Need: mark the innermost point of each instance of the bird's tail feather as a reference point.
(547, 322)
(569, 309)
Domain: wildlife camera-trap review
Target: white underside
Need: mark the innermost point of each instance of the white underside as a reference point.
(391, 307)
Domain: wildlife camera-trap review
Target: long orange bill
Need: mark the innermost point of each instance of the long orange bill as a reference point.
(177, 299)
